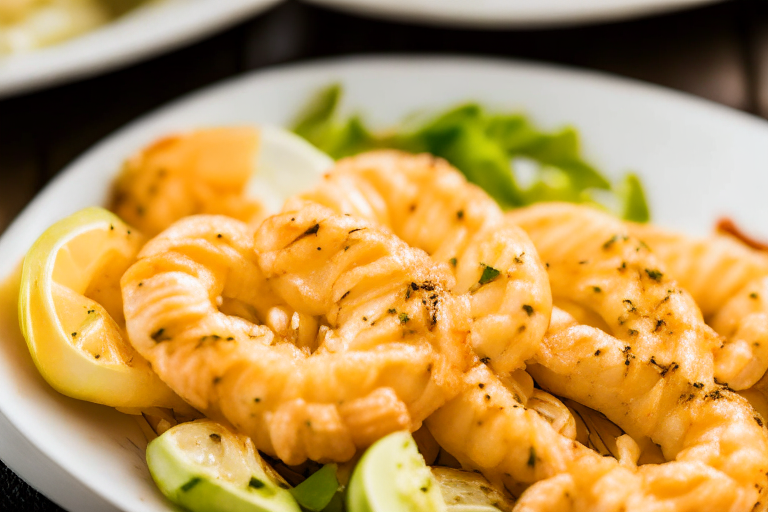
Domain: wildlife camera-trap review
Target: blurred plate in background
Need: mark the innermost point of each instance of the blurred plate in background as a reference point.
(154, 28)
(521, 14)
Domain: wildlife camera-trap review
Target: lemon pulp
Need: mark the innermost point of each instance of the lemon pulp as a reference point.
(70, 312)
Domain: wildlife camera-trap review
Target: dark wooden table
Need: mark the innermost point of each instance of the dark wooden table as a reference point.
(719, 52)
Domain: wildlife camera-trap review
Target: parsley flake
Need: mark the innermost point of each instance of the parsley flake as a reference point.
(489, 274)
(654, 274)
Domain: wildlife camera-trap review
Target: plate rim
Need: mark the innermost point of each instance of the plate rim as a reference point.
(50, 66)
(511, 16)
(80, 164)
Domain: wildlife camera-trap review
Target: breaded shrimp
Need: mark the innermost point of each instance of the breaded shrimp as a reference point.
(205, 171)
(338, 333)
(729, 281)
(430, 205)
(653, 375)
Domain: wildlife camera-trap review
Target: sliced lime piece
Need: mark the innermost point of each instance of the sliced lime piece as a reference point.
(204, 467)
(392, 477)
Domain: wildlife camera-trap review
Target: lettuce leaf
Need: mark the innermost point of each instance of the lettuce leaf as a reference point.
(490, 149)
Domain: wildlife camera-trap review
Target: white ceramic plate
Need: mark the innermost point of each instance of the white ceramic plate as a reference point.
(698, 160)
(151, 29)
(509, 13)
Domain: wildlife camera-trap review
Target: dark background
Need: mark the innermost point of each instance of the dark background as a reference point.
(719, 52)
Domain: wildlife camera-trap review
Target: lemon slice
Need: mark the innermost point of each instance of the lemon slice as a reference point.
(392, 477)
(70, 311)
(204, 467)
(285, 165)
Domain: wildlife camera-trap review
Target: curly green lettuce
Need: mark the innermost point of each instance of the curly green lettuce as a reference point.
(506, 154)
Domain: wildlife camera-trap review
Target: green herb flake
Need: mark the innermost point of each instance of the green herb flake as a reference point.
(189, 485)
(255, 483)
(528, 309)
(654, 274)
(403, 317)
(392, 311)
(160, 336)
(489, 274)
(607, 245)
(486, 147)
(453, 262)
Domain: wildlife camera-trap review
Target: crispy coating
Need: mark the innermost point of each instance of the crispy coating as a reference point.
(326, 331)
(205, 171)
(652, 373)
(316, 338)
(430, 205)
(729, 281)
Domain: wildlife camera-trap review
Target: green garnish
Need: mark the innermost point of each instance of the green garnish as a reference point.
(481, 144)
(255, 483)
(654, 274)
(190, 484)
(403, 317)
(317, 491)
(489, 274)
(632, 196)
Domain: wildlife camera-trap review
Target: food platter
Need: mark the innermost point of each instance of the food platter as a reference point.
(509, 14)
(149, 30)
(698, 160)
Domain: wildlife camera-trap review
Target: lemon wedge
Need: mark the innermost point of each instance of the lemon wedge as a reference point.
(285, 165)
(71, 315)
(204, 467)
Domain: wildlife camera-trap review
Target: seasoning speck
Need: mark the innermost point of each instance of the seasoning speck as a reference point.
(489, 274)
(255, 483)
(654, 274)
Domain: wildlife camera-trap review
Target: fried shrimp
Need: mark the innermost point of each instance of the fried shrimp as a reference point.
(316, 338)
(199, 172)
(729, 282)
(430, 205)
(653, 375)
